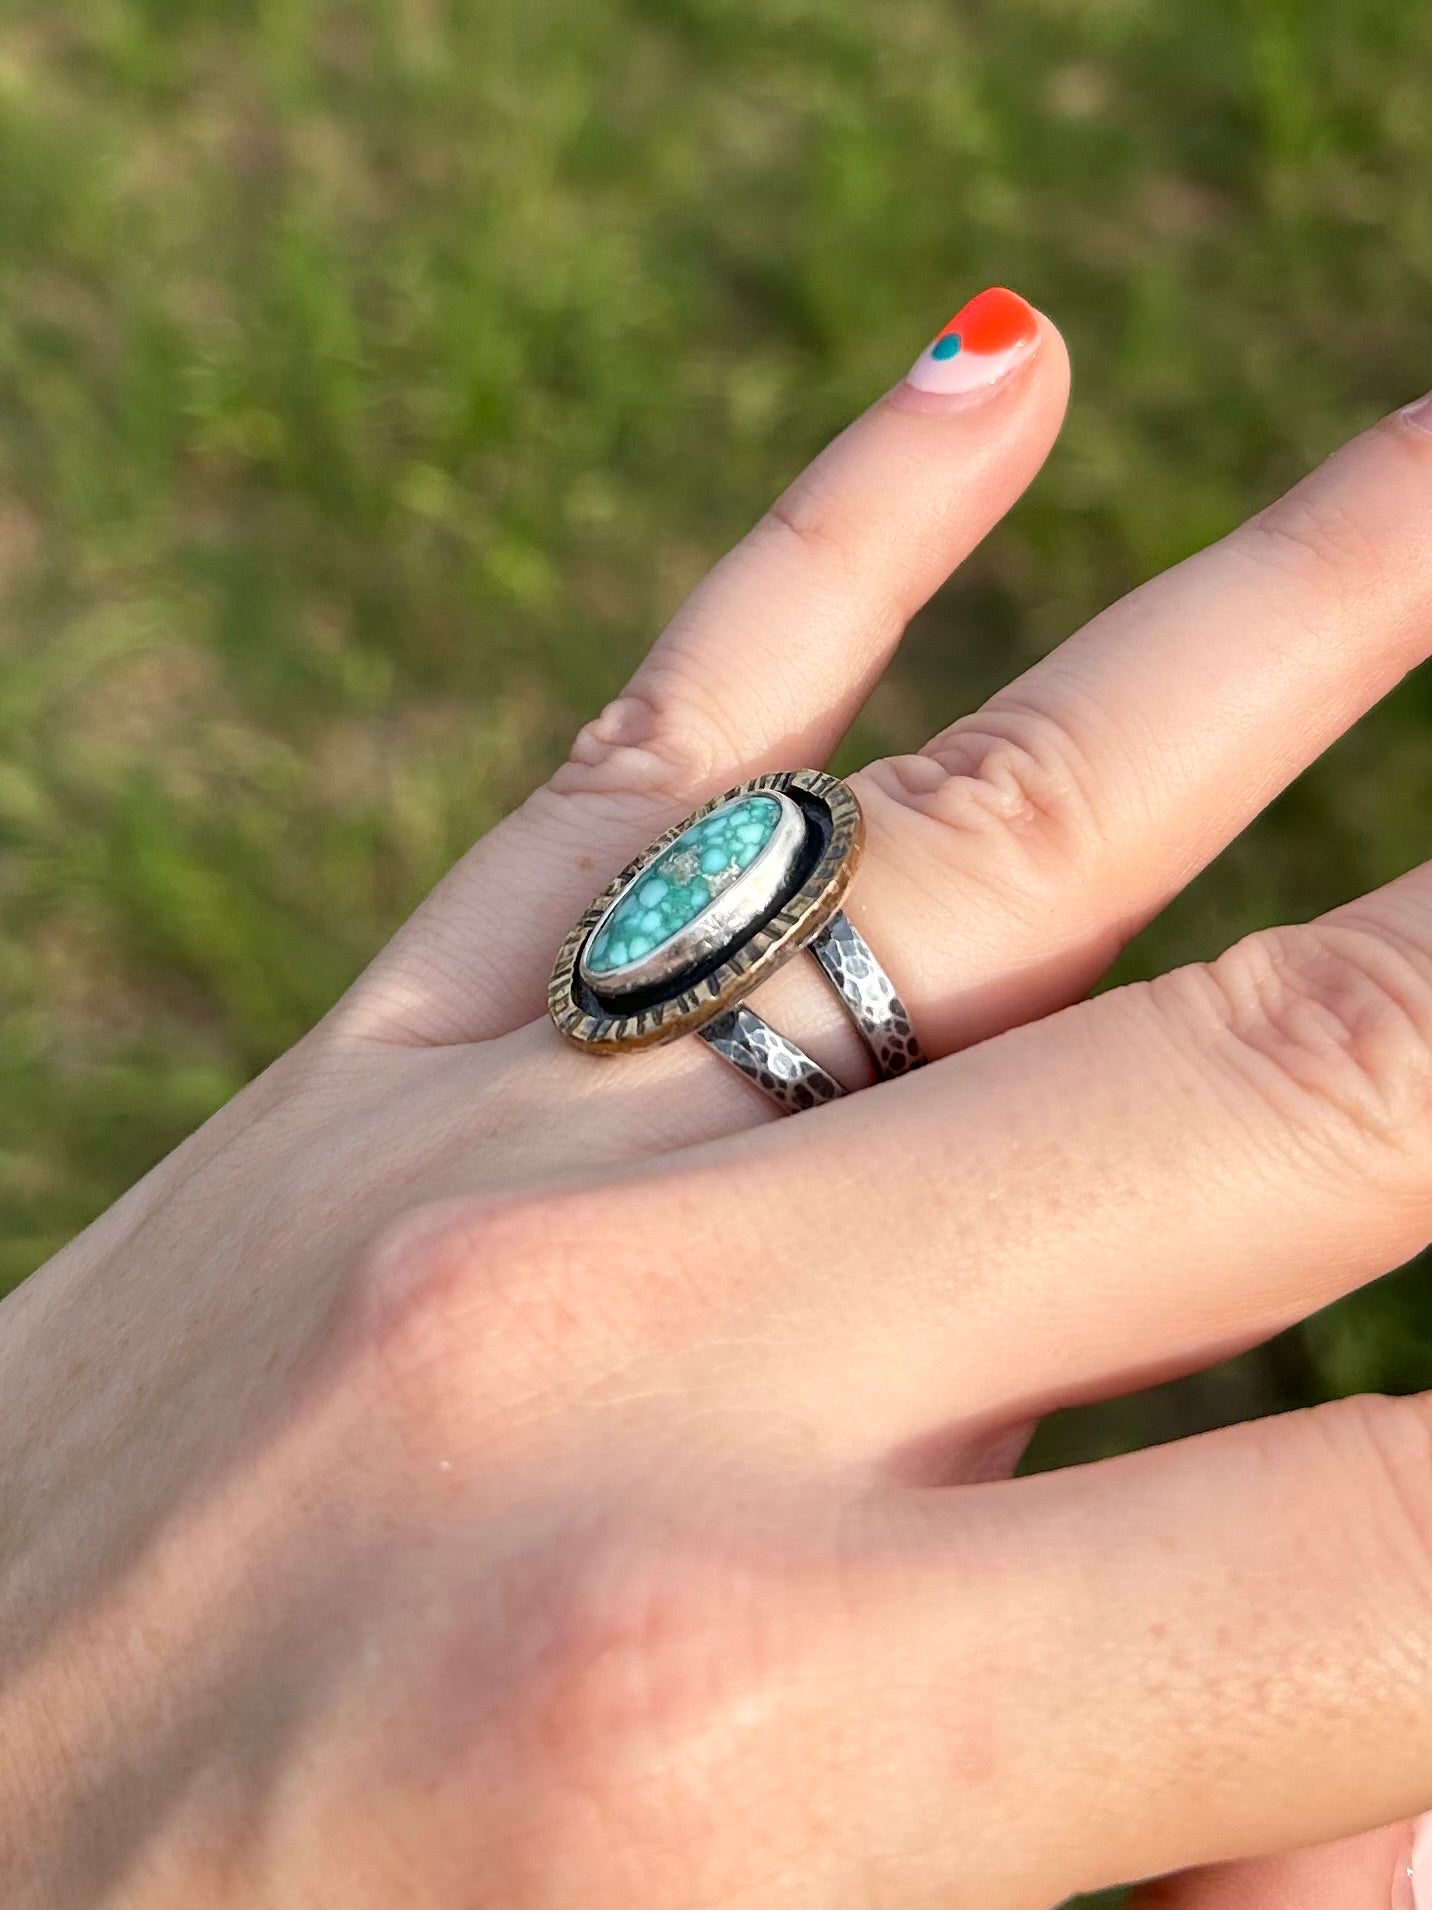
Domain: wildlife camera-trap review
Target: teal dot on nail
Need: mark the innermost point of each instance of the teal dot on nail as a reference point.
(946, 347)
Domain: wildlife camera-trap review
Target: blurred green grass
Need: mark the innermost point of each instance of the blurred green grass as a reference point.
(375, 376)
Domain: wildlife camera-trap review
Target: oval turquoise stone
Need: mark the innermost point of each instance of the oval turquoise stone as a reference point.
(683, 881)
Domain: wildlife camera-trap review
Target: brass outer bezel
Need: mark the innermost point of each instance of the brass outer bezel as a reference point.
(607, 1031)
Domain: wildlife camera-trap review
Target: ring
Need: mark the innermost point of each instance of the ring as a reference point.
(674, 944)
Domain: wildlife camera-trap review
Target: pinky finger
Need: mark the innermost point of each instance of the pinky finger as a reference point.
(1371, 1872)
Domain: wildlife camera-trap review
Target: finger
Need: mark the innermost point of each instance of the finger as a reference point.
(1128, 1189)
(1009, 1694)
(1359, 1873)
(1228, 1640)
(1009, 862)
(762, 668)
(1013, 857)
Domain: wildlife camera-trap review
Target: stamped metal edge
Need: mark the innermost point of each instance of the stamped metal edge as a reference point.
(802, 917)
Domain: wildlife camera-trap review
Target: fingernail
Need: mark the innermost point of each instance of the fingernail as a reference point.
(1412, 1889)
(1419, 415)
(980, 346)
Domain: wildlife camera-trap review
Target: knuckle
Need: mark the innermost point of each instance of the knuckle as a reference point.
(646, 744)
(1333, 1022)
(636, 1645)
(648, 1631)
(478, 1311)
(670, 1647)
(1009, 770)
(801, 517)
(1315, 533)
(471, 1305)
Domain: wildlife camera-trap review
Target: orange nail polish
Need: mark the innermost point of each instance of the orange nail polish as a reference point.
(980, 346)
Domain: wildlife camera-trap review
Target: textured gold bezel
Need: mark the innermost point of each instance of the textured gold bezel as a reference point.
(607, 1031)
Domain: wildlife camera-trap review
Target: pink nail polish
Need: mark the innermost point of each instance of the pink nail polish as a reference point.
(1419, 415)
(1412, 1889)
(980, 346)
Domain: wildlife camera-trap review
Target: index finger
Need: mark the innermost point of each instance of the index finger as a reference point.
(763, 667)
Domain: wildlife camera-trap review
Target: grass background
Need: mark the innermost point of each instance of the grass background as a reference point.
(375, 375)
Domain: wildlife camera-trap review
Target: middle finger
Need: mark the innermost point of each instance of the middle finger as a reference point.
(1012, 858)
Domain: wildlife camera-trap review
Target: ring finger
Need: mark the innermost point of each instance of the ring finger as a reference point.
(1013, 857)
(1115, 1194)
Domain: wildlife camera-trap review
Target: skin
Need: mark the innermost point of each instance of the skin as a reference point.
(472, 1474)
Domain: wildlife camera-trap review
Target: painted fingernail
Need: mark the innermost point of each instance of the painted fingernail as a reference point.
(1412, 1889)
(1419, 415)
(981, 345)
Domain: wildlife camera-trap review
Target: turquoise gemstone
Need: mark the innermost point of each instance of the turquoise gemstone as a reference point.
(946, 347)
(684, 880)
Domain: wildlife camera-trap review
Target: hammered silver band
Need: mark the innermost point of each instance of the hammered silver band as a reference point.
(781, 1070)
(868, 994)
(785, 1072)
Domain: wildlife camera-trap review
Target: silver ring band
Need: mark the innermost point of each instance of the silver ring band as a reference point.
(848, 963)
(785, 1072)
(781, 1070)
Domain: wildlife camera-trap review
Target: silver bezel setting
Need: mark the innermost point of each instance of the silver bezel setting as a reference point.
(591, 1015)
(748, 899)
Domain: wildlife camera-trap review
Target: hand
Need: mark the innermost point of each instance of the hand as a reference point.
(469, 1473)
